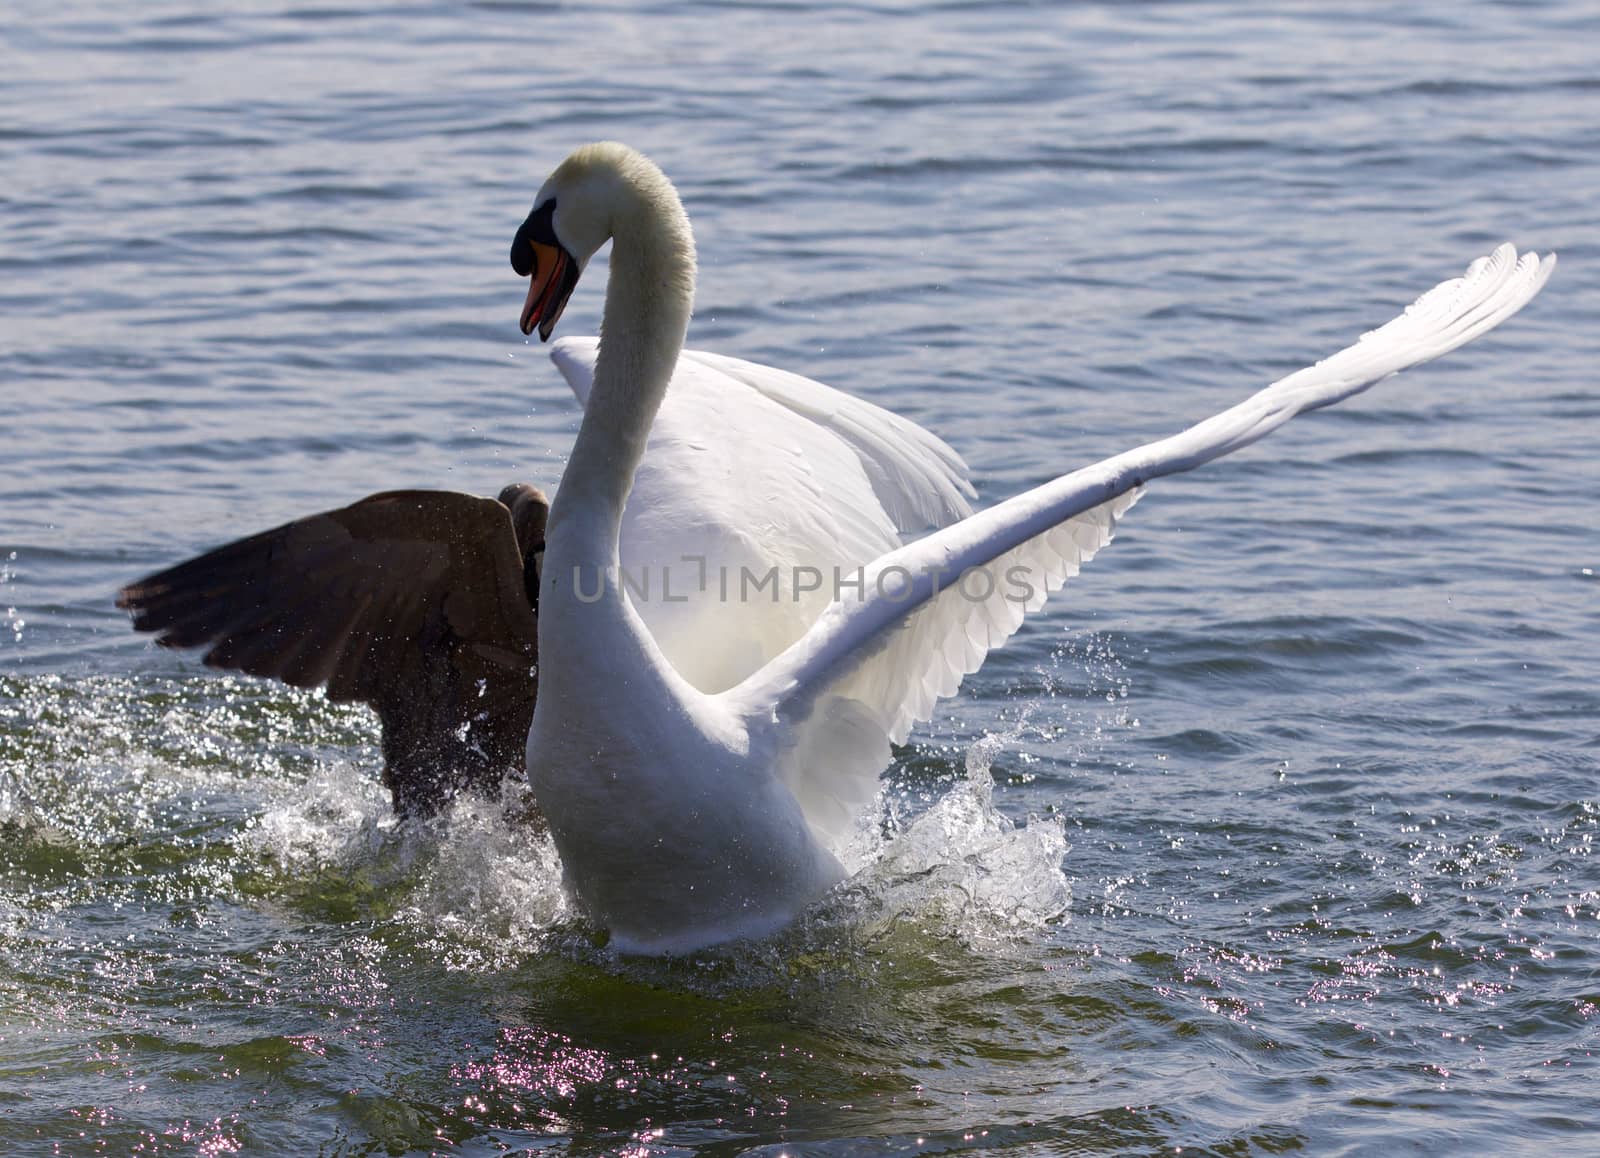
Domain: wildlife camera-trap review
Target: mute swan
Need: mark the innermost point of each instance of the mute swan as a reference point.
(686, 818)
(413, 602)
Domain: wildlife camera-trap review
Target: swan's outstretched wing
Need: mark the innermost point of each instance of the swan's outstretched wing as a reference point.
(756, 485)
(411, 601)
(927, 614)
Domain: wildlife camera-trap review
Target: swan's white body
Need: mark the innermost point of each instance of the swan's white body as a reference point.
(687, 815)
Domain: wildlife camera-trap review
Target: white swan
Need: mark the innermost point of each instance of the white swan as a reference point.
(686, 818)
(422, 604)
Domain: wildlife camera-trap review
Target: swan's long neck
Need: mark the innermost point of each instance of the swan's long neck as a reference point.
(647, 311)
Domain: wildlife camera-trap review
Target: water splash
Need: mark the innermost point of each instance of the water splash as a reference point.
(285, 814)
(336, 817)
(12, 619)
(963, 868)
(495, 880)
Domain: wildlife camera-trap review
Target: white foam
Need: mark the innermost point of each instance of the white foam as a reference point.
(483, 884)
(965, 869)
(337, 816)
(496, 877)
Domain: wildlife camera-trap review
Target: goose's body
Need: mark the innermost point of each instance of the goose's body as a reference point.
(689, 815)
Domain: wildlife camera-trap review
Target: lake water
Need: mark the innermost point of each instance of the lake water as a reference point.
(1276, 833)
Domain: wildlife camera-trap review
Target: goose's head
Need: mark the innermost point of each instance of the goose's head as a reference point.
(599, 191)
(530, 513)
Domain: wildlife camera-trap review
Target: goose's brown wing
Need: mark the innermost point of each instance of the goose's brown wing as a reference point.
(411, 601)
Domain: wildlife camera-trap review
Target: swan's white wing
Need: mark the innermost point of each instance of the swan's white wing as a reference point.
(876, 661)
(756, 485)
(919, 480)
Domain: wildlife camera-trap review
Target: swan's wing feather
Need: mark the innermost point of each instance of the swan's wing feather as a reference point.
(927, 613)
(574, 357)
(917, 477)
(920, 480)
(754, 488)
(410, 601)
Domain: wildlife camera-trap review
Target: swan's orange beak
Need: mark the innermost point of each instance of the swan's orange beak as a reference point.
(553, 278)
(537, 253)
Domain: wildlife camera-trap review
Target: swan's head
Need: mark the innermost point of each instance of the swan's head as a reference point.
(597, 192)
